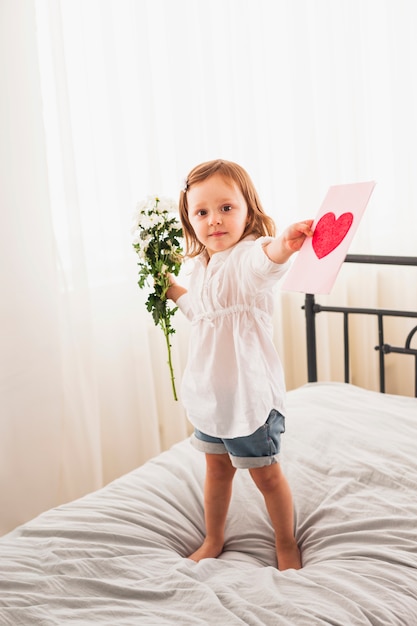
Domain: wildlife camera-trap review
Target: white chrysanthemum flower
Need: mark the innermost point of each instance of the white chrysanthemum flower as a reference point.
(147, 221)
(158, 219)
(136, 237)
(146, 240)
(153, 210)
(167, 204)
(149, 203)
(142, 208)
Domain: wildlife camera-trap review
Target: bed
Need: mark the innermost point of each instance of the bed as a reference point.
(118, 556)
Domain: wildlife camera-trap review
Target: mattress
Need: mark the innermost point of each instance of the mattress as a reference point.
(119, 555)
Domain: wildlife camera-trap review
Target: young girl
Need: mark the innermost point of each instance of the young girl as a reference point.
(233, 385)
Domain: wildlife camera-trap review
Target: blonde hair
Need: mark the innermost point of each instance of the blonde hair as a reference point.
(259, 223)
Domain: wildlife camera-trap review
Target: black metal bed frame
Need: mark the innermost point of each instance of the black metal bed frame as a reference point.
(312, 308)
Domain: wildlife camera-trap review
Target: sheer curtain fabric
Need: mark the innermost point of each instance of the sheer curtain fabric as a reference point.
(107, 101)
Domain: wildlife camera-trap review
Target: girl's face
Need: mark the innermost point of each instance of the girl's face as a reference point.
(217, 212)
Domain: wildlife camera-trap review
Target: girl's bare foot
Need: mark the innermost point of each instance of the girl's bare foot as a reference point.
(208, 550)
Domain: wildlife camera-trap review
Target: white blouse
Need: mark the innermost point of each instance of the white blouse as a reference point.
(233, 377)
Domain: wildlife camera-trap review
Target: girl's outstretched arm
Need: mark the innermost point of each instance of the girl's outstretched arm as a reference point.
(282, 247)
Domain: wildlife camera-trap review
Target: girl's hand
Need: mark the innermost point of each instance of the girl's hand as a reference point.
(174, 290)
(293, 237)
(280, 249)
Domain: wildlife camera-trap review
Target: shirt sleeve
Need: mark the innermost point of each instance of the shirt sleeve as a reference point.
(261, 265)
(184, 305)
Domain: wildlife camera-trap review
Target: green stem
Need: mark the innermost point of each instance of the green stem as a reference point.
(164, 325)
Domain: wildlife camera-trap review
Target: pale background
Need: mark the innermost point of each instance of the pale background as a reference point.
(106, 101)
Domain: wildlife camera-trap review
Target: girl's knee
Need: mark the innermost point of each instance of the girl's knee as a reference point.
(266, 478)
(219, 466)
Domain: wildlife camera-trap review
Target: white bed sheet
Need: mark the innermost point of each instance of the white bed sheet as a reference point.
(117, 556)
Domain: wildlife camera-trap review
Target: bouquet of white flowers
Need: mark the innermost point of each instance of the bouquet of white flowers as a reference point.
(156, 239)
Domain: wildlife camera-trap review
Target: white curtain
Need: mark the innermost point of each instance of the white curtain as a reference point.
(106, 101)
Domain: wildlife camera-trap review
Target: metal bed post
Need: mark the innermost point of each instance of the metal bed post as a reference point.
(380, 348)
(310, 313)
(346, 345)
(409, 349)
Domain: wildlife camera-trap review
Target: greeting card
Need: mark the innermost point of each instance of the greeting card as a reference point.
(318, 262)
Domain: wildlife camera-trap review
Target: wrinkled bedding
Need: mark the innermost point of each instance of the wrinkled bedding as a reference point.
(118, 556)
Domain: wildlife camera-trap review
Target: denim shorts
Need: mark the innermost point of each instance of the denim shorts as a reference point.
(256, 450)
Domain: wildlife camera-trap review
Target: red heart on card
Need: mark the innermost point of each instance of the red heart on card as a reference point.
(330, 232)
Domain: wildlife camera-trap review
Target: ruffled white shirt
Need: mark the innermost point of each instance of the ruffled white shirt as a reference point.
(233, 377)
